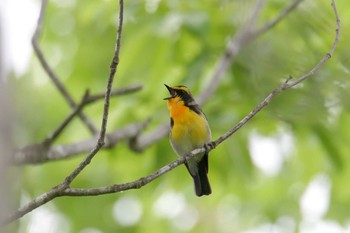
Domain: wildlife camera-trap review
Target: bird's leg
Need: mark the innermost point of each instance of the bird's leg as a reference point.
(209, 146)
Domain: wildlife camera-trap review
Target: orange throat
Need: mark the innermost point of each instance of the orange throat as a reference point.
(176, 107)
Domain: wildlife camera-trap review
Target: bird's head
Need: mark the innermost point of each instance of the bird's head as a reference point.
(179, 93)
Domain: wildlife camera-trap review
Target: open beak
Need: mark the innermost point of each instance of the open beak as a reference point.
(171, 91)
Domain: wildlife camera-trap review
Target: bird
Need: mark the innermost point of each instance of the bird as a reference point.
(189, 129)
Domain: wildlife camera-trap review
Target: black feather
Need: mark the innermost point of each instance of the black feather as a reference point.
(171, 122)
(200, 180)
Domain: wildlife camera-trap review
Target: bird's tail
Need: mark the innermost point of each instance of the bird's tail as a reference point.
(201, 185)
(201, 182)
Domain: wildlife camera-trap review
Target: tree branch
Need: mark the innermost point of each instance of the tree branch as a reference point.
(40, 153)
(116, 92)
(54, 78)
(277, 19)
(49, 140)
(326, 57)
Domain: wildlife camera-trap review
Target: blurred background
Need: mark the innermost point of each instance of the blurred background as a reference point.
(287, 170)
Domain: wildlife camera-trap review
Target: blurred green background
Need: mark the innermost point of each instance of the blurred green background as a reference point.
(286, 170)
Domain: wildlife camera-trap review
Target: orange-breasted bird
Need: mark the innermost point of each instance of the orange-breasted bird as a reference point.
(189, 130)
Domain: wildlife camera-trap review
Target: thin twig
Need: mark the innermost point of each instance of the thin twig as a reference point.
(116, 92)
(59, 85)
(257, 109)
(142, 141)
(326, 57)
(267, 26)
(113, 68)
(69, 118)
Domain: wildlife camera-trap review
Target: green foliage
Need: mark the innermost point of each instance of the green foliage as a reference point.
(179, 42)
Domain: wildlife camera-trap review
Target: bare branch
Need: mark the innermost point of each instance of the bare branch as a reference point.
(142, 141)
(59, 85)
(38, 201)
(277, 19)
(257, 109)
(326, 57)
(66, 121)
(116, 92)
(130, 185)
(113, 69)
(40, 153)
